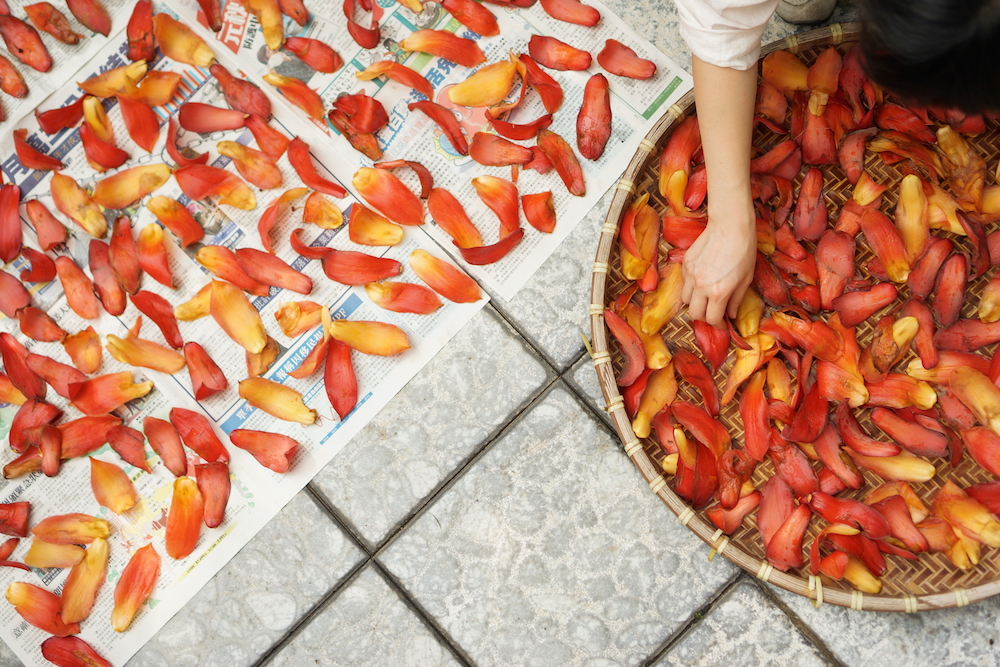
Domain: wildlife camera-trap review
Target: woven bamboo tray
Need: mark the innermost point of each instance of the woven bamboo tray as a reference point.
(931, 582)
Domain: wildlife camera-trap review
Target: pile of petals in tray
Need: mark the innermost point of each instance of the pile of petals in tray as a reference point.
(799, 319)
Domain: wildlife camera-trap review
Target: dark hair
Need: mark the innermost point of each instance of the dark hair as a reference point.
(935, 52)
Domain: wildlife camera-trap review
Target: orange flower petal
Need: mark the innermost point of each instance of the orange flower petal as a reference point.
(277, 400)
(144, 353)
(275, 209)
(180, 43)
(272, 450)
(39, 608)
(187, 509)
(243, 95)
(256, 167)
(369, 228)
(240, 320)
(205, 118)
(555, 54)
(316, 54)
(214, 484)
(620, 60)
(165, 441)
(403, 297)
(104, 393)
(139, 33)
(487, 86)
(273, 271)
(197, 434)
(48, 19)
(141, 122)
(207, 379)
(135, 585)
(73, 201)
(152, 253)
(111, 486)
(321, 212)
(540, 211)
(377, 338)
(398, 73)
(500, 196)
(176, 218)
(84, 348)
(298, 94)
(444, 44)
(387, 193)
(78, 288)
(106, 284)
(129, 186)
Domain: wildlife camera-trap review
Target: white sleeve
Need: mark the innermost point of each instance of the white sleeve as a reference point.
(725, 33)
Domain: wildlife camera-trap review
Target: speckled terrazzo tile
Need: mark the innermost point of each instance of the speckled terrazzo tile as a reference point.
(7, 657)
(583, 378)
(744, 628)
(443, 416)
(967, 637)
(365, 625)
(552, 551)
(551, 309)
(255, 599)
(655, 20)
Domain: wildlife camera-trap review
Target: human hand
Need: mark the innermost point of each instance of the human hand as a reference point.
(718, 267)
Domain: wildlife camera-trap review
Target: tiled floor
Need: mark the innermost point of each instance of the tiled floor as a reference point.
(488, 516)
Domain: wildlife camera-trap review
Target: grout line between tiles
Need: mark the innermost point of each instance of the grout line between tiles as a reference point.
(799, 624)
(371, 551)
(700, 613)
(528, 339)
(411, 603)
(589, 405)
(317, 609)
(331, 509)
(460, 469)
(428, 620)
(326, 506)
(458, 472)
(577, 358)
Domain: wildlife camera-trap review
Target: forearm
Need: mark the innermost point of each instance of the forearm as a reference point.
(725, 103)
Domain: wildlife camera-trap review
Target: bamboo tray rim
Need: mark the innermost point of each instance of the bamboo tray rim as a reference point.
(812, 586)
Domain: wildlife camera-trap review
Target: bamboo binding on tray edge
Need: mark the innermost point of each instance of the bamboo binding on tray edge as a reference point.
(832, 35)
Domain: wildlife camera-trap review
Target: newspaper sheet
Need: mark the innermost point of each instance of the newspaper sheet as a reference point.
(635, 107)
(66, 60)
(258, 493)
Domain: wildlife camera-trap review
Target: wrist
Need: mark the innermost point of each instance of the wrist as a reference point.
(740, 219)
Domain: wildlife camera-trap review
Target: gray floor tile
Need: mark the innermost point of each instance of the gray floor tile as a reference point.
(583, 378)
(947, 638)
(7, 657)
(435, 423)
(551, 310)
(366, 625)
(744, 628)
(255, 599)
(551, 550)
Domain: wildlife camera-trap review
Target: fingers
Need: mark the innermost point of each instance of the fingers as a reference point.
(687, 289)
(698, 306)
(715, 312)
